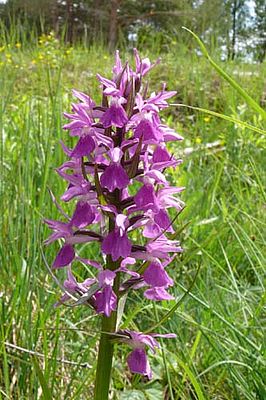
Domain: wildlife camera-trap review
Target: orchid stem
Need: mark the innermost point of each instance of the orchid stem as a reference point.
(105, 358)
(106, 346)
(105, 353)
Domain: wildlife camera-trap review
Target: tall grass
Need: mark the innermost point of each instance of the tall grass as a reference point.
(220, 322)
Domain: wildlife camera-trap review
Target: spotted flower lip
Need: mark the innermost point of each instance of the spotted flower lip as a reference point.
(118, 196)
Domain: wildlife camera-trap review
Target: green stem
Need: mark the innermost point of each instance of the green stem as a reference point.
(106, 347)
(105, 357)
(105, 353)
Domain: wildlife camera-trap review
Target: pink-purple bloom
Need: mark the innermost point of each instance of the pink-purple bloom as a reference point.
(137, 360)
(115, 115)
(115, 179)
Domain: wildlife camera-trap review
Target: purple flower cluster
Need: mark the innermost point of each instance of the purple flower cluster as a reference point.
(115, 175)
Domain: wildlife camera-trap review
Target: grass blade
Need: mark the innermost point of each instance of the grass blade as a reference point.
(47, 395)
(172, 310)
(223, 116)
(251, 102)
(192, 378)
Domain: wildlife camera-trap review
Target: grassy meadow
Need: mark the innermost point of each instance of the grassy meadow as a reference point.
(48, 353)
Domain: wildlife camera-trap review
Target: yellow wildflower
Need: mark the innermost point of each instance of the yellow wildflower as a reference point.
(198, 140)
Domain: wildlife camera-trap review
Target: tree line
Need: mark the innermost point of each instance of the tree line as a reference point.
(236, 27)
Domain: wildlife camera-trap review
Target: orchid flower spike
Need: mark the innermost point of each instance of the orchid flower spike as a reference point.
(116, 179)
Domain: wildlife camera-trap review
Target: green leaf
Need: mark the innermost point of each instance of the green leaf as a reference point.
(251, 102)
(154, 394)
(223, 116)
(132, 395)
(47, 395)
(193, 350)
(192, 378)
(120, 310)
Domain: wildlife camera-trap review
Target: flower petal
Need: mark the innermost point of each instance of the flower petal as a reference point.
(156, 276)
(84, 147)
(158, 294)
(65, 256)
(83, 215)
(116, 245)
(114, 177)
(105, 301)
(114, 115)
(138, 363)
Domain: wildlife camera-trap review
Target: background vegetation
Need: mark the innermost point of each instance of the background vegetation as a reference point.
(220, 324)
(234, 28)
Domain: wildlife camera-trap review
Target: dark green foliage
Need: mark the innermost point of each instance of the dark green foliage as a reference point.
(229, 26)
(260, 29)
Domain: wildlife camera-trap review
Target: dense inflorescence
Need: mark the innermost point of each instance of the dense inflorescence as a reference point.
(115, 175)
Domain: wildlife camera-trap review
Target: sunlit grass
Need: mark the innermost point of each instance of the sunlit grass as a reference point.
(220, 323)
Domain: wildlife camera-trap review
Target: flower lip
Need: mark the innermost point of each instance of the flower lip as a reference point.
(114, 177)
(155, 276)
(114, 115)
(65, 256)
